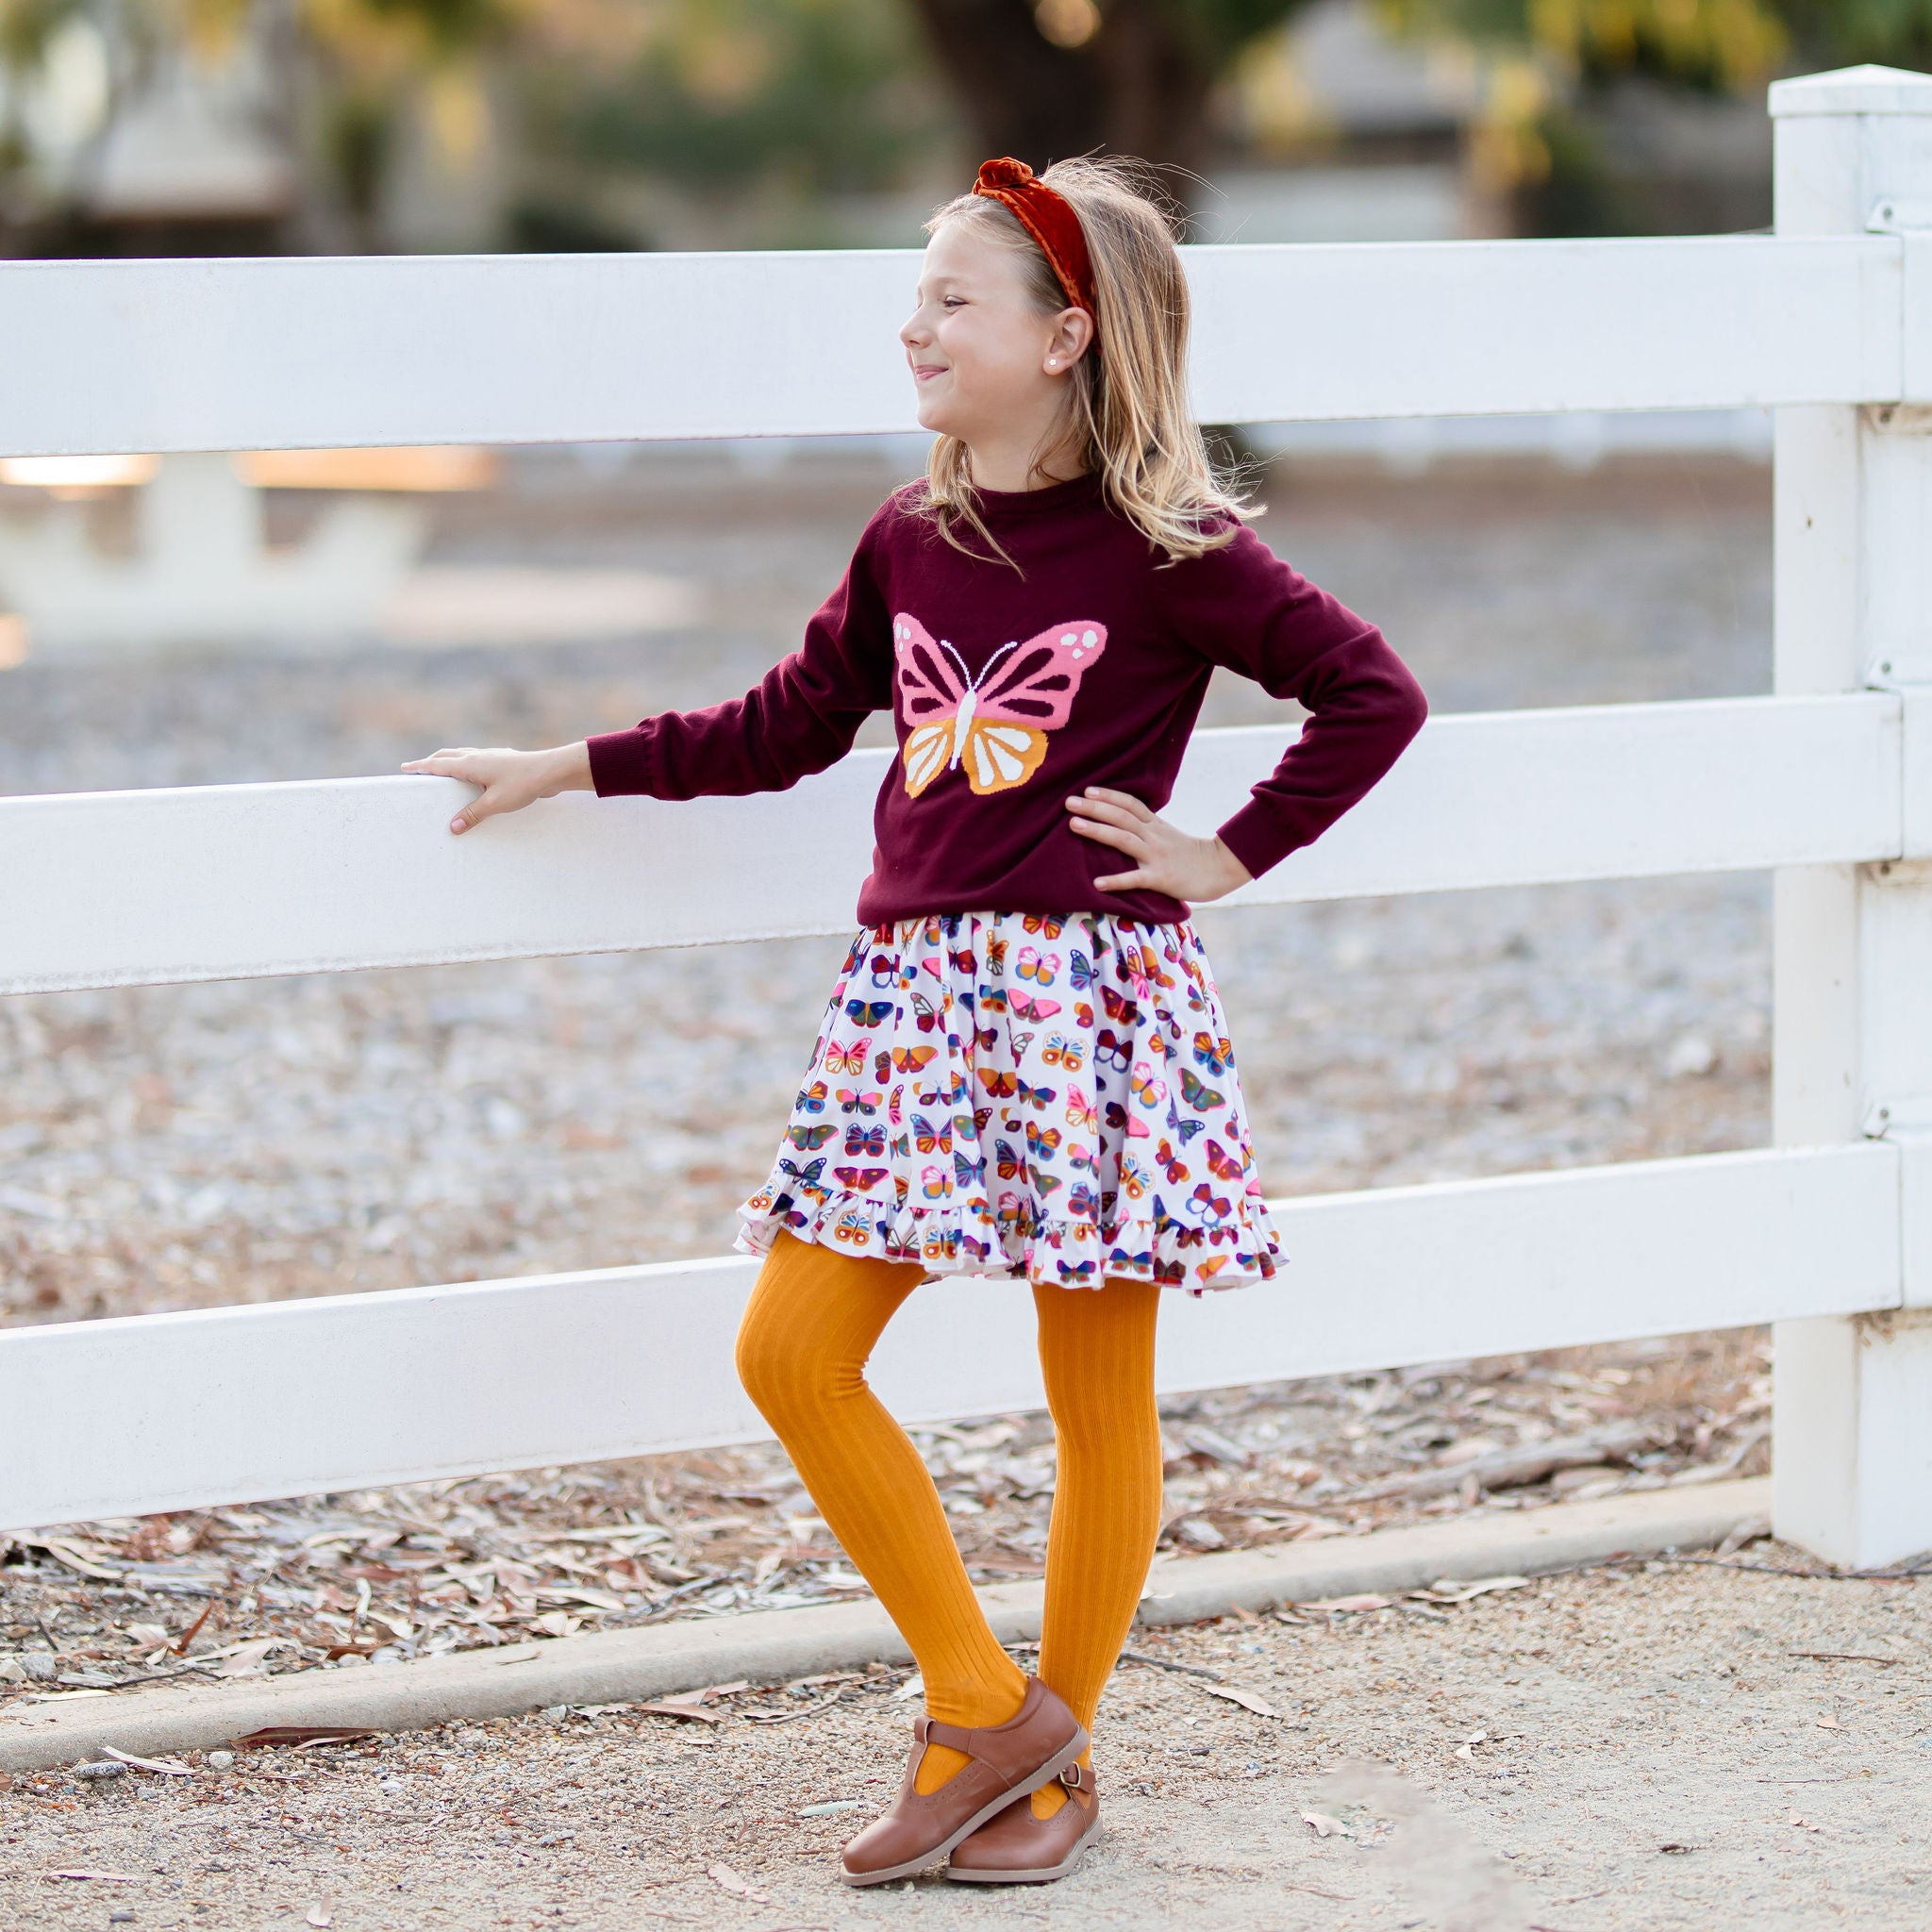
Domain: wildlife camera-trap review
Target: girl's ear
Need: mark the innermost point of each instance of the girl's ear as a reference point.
(1073, 335)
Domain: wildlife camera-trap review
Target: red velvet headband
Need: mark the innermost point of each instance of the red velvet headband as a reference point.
(1048, 216)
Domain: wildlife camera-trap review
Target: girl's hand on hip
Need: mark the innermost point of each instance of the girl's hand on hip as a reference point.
(509, 779)
(1166, 859)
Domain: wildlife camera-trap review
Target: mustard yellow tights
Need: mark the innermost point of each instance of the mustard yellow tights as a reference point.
(814, 1316)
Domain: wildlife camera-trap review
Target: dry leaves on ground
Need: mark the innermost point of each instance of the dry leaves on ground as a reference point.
(375, 1575)
(723, 1876)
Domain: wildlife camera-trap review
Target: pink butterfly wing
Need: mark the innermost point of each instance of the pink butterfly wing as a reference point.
(928, 677)
(1035, 682)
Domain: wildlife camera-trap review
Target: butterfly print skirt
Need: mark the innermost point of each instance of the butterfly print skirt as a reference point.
(1019, 1094)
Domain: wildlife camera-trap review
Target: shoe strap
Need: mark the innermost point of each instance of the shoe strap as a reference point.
(930, 1730)
(1006, 1750)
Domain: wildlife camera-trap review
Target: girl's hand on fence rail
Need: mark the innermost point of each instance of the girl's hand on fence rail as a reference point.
(509, 779)
(1166, 859)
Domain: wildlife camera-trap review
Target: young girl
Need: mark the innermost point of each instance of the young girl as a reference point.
(1023, 1069)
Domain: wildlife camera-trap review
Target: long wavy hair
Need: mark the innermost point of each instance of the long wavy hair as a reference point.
(1126, 396)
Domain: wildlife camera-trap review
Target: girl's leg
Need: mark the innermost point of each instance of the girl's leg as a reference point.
(813, 1320)
(1096, 1347)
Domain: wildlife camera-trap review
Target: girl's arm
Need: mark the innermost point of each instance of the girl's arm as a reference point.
(801, 717)
(1242, 606)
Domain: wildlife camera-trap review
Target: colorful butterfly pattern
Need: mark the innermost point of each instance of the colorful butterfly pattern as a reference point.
(1066, 1155)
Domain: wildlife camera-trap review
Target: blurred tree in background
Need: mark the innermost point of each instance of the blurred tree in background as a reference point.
(773, 103)
(727, 91)
(1704, 42)
(367, 67)
(1545, 134)
(574, 123)
(1045, 78)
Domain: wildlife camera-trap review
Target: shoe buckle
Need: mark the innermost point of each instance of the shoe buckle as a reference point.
(1075, 1775)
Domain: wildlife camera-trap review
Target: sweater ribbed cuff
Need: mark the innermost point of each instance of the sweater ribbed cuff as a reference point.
(1256, 838)
(621, 763)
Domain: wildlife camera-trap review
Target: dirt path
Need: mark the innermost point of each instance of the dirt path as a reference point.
(1613, 1749)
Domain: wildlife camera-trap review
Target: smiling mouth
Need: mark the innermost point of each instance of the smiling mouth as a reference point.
(925, 371)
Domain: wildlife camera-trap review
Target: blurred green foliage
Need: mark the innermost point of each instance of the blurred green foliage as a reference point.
(25, 25)
(447, 27)
(1220, 29)
(1546, 136)
(725, 92)
(586, 102)
(1709, 43)
(1840, 33)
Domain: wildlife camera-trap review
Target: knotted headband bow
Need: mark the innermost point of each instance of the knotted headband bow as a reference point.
(1048, 216)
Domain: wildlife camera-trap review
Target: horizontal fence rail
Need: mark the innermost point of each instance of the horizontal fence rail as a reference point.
(137, 887)
(229, 1404)
(298, 353)
(170, 1411)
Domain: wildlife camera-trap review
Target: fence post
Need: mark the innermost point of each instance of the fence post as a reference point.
(1851, 1420)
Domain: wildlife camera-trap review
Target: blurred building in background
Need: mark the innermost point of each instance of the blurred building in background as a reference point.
(130, 126)
(1342, 131)
(175, 158)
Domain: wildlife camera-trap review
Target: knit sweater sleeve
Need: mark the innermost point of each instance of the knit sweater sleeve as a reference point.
(1242, 606)
(801, 717)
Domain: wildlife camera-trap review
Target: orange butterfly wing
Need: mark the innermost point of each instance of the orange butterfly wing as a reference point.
(998, 757)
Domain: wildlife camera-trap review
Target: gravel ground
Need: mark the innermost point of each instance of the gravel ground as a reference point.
(375, 1576)
(1654, 1746)
(172, 1147)
(187, 1146)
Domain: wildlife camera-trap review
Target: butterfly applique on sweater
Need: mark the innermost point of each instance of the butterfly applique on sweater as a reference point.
(995, 726)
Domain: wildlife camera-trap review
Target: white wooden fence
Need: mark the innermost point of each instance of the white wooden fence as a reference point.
(1828, 1233)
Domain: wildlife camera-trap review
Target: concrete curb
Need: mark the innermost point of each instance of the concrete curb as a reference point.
(773, 1646)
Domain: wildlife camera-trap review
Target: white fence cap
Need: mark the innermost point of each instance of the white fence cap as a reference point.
(1865, 90)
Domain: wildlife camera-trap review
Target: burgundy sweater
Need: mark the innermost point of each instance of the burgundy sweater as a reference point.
(1010, 692)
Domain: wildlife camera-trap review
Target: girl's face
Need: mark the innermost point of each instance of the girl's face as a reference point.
(988, 365)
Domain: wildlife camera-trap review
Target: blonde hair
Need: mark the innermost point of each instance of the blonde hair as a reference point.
(1127, 394)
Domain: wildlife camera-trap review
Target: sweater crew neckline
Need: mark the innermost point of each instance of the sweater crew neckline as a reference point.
(1012, 505)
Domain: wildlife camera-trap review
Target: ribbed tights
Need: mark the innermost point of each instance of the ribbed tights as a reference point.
(814, 1316)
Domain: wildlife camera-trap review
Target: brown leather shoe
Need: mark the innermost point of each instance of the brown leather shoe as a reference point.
(1016, 1848)
(1010, 1760)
